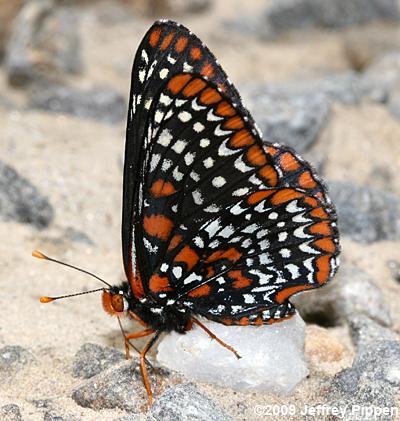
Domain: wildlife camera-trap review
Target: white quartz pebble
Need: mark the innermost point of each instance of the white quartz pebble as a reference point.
(272, 355)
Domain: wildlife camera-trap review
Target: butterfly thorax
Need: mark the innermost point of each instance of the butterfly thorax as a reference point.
(164, 316)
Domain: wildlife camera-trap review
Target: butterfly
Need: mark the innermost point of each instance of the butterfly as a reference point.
(216, 221)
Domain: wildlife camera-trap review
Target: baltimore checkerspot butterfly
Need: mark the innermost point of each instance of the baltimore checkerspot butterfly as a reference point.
(216, 222)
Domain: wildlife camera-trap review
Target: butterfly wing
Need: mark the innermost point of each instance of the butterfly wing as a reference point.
(226, 225)
(167, 49)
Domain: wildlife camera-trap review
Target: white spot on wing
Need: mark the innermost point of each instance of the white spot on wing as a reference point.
(184, 116)
(179, 146)
(198, 127)
(163, 73)
(218, 181)
(208, 162)
(197, 197)
(294, 270)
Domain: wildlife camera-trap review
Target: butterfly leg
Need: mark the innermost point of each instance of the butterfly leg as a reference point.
(135, 335)
(212, 336)
(143, 368)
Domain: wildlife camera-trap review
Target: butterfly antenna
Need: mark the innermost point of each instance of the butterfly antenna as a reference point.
(40, 255)
(45, 299)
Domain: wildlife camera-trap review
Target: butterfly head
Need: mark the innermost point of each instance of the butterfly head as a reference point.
(116, 301)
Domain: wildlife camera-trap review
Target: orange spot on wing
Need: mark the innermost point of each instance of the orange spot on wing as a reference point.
(196, 53)
(325, 244)
(319, 213)
(175, 240)
(258, 321)
(283, 295)
(256, 197)
(137, 285)
(154, 37)
(159, 283)
(256, 156)
(194, 87)
(322, 228)
(202, 291)
(285, 195)
(225, 109)
(210, 96)
(235, 123)
(181, 44)
(161, 188)
(241, 138)
(271, 150)
(324, 269)
(289, 162)
(210, 272)
(230, 254)
(244, 321)
(158, 226)
(167, 40)
(187, 256)
(269, 174)
(176, 83)
(207, 70)
(311, 201)
(306, 180)
(240, 281)
(227, 322)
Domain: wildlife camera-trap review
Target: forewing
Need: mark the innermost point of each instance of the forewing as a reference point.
(167, 49)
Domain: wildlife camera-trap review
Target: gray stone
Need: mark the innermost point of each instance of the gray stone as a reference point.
(10, 412)
(103, 104)
(120, 386)
(290, 118)
(13, 358)
(21, 201)
(285, 15)
(350, 293)
(185, 402)
(54, 416)
(372, 380)
(18, 60)
(366, 214)
(92, 359)
(44, 41)
(364, 330)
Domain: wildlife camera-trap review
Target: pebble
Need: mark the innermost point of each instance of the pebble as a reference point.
(10, 412)
(92, 359)
(365, 214)
(293, 119)
(364, 330)
(286, 15)
(100, 103)
(21, 201)
(13, 358)
(43, 43)
(372, 380)
(120, 386)
(351, 292)
(272, 356)
(185, 402)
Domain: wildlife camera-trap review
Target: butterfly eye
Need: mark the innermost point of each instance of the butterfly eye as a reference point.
(114, 304)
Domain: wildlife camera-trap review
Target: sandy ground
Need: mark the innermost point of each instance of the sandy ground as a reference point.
(77, 164)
